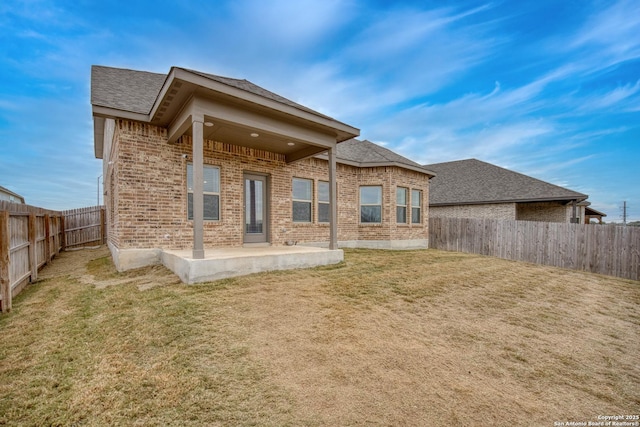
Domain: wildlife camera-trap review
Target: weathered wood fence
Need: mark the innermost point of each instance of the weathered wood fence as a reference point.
(31, 236)
(604, 249)
(84, 227)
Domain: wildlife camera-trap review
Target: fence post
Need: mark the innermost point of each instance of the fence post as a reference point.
(5, 259)
(47, 239)
(103, 228)
(63, 233)
(33, 261)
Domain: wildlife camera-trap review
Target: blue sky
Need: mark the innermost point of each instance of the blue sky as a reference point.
(547, 88)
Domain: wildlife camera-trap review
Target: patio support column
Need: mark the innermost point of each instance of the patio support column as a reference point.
(198, 187)
(333, 201)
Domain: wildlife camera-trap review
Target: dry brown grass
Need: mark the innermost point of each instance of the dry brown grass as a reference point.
(385, 338)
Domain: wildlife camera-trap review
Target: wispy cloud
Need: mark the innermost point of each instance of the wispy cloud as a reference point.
(613, 30)
(621, 97)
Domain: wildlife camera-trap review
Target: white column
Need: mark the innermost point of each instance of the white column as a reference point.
(333, 201)
(198, 187)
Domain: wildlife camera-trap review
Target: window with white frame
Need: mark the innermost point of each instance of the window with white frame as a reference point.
(371, 204)
(323, 201)
(401, 205)
(416, 206)
(211, 192)
(302, 199)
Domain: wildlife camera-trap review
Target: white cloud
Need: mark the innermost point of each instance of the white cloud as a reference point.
(288, 24)
(615, 97)
(608, 38)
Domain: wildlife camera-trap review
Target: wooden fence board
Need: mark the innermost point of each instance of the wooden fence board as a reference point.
(84, 226)
(604, 249)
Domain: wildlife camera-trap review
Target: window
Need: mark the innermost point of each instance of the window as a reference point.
(302, 200)
(211, 192)
(416, 203)
(323, 201)
(401, 205)
(371, 204)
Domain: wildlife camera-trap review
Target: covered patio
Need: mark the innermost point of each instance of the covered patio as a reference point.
(222, 263)
(177, 145)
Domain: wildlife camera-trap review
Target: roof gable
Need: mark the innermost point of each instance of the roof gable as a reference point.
(253, 88)
(137, 91)
(472, 181)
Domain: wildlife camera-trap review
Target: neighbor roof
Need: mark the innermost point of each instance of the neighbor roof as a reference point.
(593, 212)
(473, 181)
(368, 154)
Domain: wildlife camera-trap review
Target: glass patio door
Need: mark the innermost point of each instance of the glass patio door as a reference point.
(255, 209)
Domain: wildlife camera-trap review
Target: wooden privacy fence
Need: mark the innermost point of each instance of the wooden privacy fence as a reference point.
(604, 249)
(30, 237)
(84, 227)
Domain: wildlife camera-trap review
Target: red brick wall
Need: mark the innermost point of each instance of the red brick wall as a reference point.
(147, 199)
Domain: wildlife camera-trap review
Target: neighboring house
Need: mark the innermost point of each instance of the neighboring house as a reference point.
(10, 196)
(590, 213)
(475, 189)
(194, 160)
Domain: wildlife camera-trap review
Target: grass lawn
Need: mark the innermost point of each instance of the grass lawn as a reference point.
(386, 338)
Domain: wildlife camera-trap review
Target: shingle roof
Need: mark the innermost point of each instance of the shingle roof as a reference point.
(136, 91)
(473, 181)
(127, 90)
(366, 153)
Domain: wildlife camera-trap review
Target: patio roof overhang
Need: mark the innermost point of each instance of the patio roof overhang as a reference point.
(233, 115)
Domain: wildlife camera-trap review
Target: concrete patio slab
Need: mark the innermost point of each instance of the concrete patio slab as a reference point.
(222, 263)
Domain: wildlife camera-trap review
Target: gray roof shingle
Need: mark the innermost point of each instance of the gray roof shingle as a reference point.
(366, 152)
(473, 181)
(126, 90)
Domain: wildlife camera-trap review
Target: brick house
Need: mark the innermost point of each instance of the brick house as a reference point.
(201, 162)
(475, 189)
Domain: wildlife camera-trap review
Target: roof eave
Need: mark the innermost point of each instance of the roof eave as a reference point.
(343, 131)
(100, 113)
(379, 164)
(493, 202)
(595, 212)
